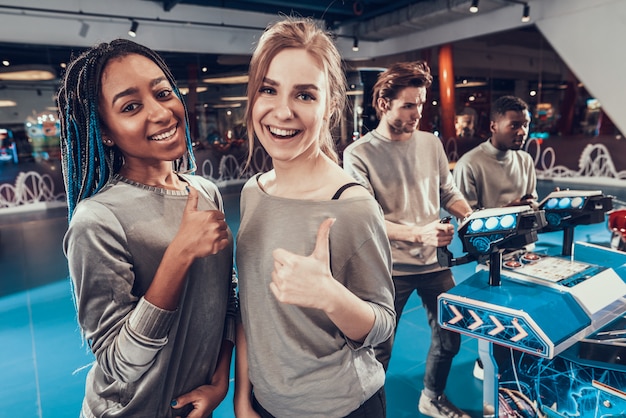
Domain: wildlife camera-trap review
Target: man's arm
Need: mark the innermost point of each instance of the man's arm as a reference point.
(460, 208)
(434, 234)
(465, 182)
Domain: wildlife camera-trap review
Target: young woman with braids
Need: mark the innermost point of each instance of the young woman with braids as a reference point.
(313, 258)
(149, 252)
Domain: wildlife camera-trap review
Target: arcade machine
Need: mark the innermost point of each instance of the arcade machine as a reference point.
(8, 149)
(561, 316)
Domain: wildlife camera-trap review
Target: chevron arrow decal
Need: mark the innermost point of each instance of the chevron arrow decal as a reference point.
(457, 315)
(521, 333)
(499, 327)
(477, 321)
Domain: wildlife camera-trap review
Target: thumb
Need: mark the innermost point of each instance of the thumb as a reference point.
(192, 200)
(321, 250)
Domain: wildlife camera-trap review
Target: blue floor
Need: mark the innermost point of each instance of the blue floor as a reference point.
(43, 360)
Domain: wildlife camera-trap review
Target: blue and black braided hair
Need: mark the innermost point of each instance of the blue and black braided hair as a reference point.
(87, 163)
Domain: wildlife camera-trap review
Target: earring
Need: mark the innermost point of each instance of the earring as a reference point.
(108, 142)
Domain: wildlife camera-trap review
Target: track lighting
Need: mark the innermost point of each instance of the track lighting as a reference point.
(526, 15)
(84, 28)
(474, 7)
(355, 44)
(133, 28)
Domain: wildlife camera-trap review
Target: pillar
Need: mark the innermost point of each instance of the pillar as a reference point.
(446, 92)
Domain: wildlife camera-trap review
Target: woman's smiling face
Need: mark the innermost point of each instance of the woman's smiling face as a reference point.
(140, 111)
(291, 106)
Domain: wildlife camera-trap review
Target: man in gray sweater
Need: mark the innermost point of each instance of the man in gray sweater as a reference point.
(407, 171)
(498, 172)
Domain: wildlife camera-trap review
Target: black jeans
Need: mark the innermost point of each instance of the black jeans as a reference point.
(374, 407)
(444, 344)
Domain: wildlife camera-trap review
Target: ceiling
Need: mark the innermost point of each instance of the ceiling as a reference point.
(333, 12)
(371, 20)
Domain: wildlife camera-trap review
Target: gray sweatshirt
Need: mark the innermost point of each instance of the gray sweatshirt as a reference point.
(300, 364)
(490, 178)
(144, 356)
(412, 182)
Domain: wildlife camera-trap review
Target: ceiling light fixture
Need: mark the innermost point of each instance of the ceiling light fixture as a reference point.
(27, 73)
(227, 79)
(474, 7)
(234, 98)
(185, 90)
(7, 103)
(133, 28)
(355, 44)
(526, 15)
(84, 28)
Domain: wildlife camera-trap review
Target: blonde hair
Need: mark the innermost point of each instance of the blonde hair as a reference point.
(299, 33)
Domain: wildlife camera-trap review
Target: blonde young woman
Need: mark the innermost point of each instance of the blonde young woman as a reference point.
(313, 259)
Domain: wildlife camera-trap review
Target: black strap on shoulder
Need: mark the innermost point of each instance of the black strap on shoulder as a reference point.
(342, 188)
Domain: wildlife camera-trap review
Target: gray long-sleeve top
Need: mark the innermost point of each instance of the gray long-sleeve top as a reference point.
(300, 364)
(411, 180)
(145, 356)
(491, 178)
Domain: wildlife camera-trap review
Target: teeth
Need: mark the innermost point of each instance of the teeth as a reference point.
(164, 135)
(283, 132)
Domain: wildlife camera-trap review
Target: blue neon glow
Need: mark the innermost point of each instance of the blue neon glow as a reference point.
(577, 202)
(551, 204)
(476, 225)
(492, 224)
(565, 203)
(507, 221)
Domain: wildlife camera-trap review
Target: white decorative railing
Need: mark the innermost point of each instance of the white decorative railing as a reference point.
(231, 171)
(451, 149)
(33, 189)
(595, 162)
(30, 188)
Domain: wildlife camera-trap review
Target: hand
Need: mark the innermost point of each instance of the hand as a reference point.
(304, 281)
(204, 400)
(203, 232)
(436, 234)
(527, 199)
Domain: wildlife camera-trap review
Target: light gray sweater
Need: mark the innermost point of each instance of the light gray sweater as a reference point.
(300, 364)
(490, 178)
(144, 356)
(412, 181)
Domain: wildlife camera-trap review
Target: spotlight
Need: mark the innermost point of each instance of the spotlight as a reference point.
(355, 44)
(133, 28)
(84, 28)
(474, 7)
(526, 15)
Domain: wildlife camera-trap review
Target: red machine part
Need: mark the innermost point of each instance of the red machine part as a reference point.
(617, 222)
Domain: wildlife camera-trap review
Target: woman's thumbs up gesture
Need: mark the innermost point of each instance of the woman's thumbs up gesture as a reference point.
(304, 280)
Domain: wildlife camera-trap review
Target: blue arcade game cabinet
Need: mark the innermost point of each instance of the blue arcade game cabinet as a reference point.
(559, 319)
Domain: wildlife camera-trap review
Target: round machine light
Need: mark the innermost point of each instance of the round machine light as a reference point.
(577, 202)
(507, 221)
(551, 204)
(476, 225)
(565, 203)
(491, 223)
